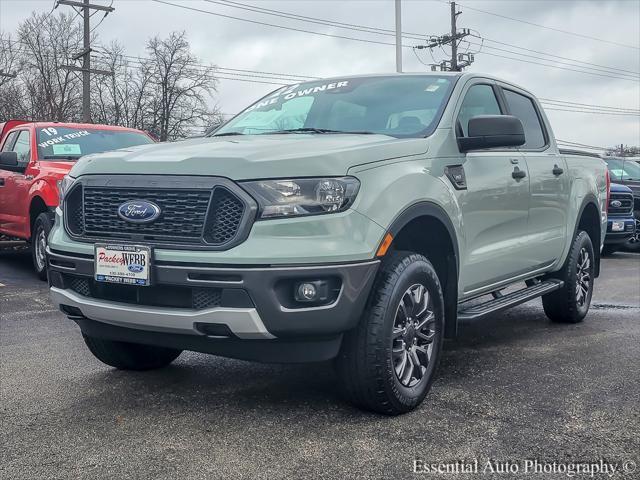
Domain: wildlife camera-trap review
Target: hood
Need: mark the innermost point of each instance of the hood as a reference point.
(253, 156)
(616, 187)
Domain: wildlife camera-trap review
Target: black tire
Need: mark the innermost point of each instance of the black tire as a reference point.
(372, 353)
(39, 235)
(130, 356)
(569, 304)
(609, 250)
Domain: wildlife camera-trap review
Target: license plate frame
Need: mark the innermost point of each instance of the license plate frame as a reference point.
(122, 269)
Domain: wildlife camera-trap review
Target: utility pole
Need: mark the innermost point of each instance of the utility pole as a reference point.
(398, 36)
(454, 42)
(85, 54)
(458, 61)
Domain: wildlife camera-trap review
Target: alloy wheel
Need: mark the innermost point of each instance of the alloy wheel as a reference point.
(583, 274)
(413, 335)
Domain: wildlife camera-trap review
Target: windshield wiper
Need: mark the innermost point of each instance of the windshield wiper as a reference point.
(61, 157)
(227, 134)
(317, 130)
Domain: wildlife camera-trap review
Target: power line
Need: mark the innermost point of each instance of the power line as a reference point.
(387, 32)
(558, 67)
(576, 104)
(276, 25)
(592, 112)
(552, 28)
(635, 76)
(558, 56)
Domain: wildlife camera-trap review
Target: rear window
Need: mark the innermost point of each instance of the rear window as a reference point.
(66, 143)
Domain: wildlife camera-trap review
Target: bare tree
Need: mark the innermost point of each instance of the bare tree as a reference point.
(48, 42)
(181, 101)
(11, 92)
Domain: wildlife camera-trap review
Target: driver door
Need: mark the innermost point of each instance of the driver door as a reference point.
(15, 187)
(494, 204)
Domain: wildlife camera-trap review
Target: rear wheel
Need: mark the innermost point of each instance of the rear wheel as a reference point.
(39, 234)
(570, 303)
(388, 362)
(130, 356)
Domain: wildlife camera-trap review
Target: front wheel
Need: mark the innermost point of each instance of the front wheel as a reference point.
(388, 362)
(570, 303)
(39, 234)
(130, 356)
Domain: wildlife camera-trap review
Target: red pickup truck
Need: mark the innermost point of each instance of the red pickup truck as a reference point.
(34, 157)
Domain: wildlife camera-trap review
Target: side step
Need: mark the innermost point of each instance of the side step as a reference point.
(502, 302)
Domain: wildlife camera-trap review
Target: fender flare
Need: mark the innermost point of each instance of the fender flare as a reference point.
(427, 209)
(589, 199)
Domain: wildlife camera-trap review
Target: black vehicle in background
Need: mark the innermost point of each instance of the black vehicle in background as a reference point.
(626, 171)
(621, 228)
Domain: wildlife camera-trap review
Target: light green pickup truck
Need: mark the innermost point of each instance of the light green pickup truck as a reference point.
(360, 219)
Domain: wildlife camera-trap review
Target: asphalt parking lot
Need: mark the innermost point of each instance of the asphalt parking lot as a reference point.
(510, 388)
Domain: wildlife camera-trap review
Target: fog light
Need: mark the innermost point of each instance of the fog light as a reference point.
(315, 291)
(307, 292)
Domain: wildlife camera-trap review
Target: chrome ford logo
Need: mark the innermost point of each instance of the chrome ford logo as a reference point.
(616, 203)
(139, 211)
(135, 268)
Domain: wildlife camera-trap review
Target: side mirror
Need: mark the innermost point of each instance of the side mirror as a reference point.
(490, 131)
(9, 161)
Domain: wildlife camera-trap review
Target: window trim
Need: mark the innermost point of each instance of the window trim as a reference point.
(30, 144)
(7, 138)
(501, 105)
(536, 108)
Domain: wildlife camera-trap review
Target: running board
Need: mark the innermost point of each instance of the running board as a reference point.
(502, 302)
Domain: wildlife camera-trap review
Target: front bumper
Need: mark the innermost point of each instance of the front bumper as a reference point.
(254, 301)
(619, 236)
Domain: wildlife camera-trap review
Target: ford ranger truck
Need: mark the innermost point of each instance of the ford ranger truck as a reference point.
(360, 219)
(34, 157)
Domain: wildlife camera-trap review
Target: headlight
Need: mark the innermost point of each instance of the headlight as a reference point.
(303, 196)
(63, 186)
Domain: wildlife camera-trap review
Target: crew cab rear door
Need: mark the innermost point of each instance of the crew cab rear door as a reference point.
(548, 180)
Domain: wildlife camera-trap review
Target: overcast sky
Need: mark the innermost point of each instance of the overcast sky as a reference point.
(232, 43)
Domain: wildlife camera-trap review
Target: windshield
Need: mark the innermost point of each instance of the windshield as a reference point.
(66, 143)
(400, 106)
(623, 169)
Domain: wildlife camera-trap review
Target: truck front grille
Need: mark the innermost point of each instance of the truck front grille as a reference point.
(217, 216)
(626, 204)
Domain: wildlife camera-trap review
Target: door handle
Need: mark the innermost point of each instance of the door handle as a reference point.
(557, 170)
(518, 174)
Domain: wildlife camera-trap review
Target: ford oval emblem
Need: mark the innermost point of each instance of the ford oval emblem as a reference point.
(135, 268)
(139, 211)
(616, 203)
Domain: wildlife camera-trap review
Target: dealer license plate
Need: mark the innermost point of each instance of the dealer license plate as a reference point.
(124, 264)
(617, 226)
